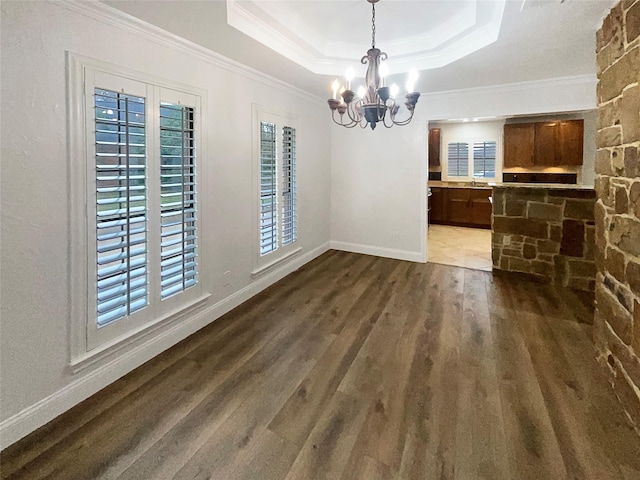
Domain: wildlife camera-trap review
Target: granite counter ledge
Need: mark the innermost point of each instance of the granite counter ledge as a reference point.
(548, 186)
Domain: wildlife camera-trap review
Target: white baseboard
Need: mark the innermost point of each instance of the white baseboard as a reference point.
(380, 251)
(26, 421)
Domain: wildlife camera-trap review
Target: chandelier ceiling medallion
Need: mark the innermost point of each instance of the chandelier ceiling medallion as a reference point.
(374, 102)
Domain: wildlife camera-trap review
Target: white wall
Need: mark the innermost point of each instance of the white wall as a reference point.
(567, 94)
(378, 190)
(36, 381)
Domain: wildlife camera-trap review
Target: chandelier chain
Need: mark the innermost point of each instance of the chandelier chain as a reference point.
(373, 25)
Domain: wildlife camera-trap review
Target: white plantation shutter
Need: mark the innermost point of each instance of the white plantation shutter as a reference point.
(268, 189)
(289, 213)
(458, 159)
(121, 205)
(178, 261)
(484, 159)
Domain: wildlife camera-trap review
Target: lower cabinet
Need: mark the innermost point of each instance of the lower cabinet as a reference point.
(461, 206)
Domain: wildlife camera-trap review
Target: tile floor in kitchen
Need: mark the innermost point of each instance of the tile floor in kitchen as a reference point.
(460, 247)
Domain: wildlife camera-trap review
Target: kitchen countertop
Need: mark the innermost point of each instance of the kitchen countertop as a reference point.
(477, 186)
(552, 186)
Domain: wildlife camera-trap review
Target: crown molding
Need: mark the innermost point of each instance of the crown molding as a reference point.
(585, 79)
(123, 21)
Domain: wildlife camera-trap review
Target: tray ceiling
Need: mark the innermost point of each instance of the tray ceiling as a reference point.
(326, 36)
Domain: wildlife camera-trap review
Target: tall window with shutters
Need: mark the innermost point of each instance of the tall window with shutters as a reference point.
(143, 147)
(467, 160)
(277, 204)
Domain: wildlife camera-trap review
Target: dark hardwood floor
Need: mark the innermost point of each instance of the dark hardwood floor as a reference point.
(357, 367)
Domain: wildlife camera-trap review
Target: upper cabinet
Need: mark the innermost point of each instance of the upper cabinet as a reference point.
(571, 142)
(434, 147)
(546, 144)
(518, 144)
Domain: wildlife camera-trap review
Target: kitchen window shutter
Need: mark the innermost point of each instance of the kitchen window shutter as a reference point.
(458, 159)
(484, 159)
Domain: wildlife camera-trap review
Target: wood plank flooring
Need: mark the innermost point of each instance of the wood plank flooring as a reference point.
(357, 367)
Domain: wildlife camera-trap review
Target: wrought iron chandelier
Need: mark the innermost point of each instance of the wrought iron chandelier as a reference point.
(374, 102)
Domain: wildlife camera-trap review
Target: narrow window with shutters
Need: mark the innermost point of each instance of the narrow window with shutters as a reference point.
(178, 260)
(268, 189)
(277, 215)
(289, 213)
(121, 205)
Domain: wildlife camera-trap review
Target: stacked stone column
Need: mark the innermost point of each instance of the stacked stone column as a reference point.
(617, 210)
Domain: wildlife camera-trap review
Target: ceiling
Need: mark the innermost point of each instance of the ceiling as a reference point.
(453, 43)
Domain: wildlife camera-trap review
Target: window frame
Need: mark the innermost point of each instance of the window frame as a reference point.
(471, 141)
(88, 342)
(264, 263)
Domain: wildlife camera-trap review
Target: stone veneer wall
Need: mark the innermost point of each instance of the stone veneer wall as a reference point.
(545, 233)
(617, 316)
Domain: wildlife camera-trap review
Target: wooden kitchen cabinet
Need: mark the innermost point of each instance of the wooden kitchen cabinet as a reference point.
(544, 144)
(458, 205)
(570, 142)
(436, 205)
(468, 207)
(434, 147)
(481, 208)
(518, 144)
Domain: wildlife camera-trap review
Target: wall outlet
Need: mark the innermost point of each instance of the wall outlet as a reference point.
(226, 278)
(506, 240)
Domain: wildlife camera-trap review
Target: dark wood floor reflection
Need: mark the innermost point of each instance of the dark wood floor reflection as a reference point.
(357, 367)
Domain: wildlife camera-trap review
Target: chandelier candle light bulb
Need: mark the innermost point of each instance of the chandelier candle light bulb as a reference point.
(375, 102)
(349, 76)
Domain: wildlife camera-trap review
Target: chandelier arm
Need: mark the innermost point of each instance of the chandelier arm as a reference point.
(406, 121)
(384, 121)
(341, 123)
(352, 112)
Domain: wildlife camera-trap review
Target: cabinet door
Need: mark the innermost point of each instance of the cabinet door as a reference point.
(434, 147)
(458, 206)
(436, 205)
(570, 142)
(481, 208)
(546, 141)
(518, 145)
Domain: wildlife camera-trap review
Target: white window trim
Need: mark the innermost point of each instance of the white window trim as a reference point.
(83, 350)
(471, 141)
(263, 264)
